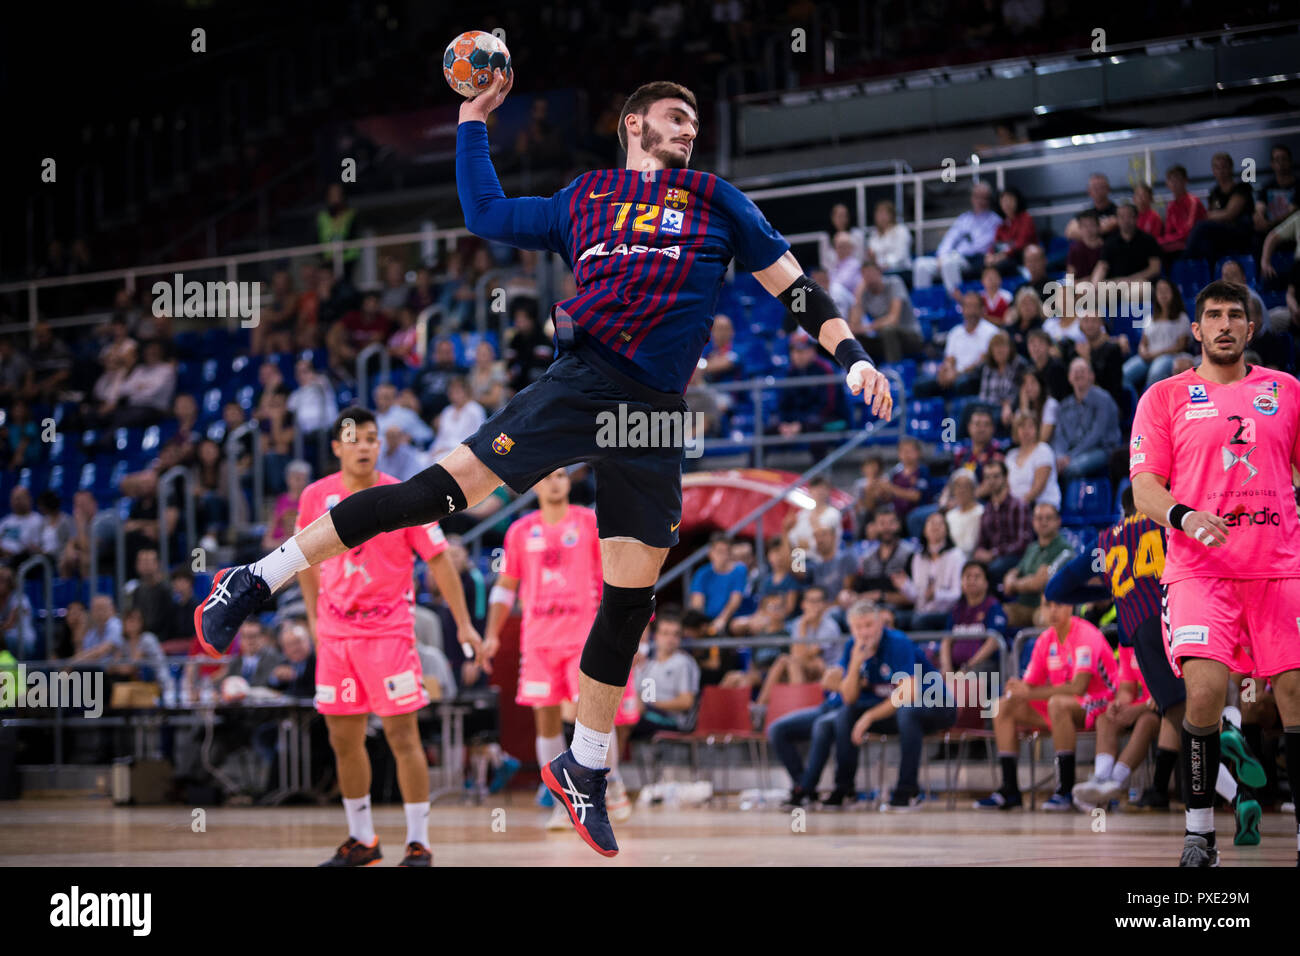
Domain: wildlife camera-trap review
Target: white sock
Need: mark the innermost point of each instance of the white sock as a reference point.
(417, 823)
(590, 747)
(280, 565)
(548, 748)
(1120, 774)
(1225, 786)
(1105, 762)
(1232, 715)
(1200, 821)
(360, 825)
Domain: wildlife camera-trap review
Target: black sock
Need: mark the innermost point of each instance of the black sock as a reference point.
(1254, 735)
(1010, 781)
(1291, 740)
(1064, 771)
(1166, 760)
(1200, 766)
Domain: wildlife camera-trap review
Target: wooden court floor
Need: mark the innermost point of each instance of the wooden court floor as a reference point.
(76, 832)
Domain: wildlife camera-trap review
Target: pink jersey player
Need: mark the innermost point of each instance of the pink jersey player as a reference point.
(1228, 450)
(366, 659)
(1056, 662)
(1127, 670)
(559, 573)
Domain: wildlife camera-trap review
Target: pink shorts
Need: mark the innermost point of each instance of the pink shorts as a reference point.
(549, 675)
(1092, 709)
(1251, 625)
(369, 675)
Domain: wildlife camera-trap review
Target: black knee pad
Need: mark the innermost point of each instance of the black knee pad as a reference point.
(428, 496)
(616, 633)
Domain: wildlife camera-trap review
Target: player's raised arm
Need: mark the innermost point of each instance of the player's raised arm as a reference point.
(816, 312)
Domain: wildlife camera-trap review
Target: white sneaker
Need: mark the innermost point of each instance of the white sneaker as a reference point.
(559, 818)
(617, 802)
(1090, 790)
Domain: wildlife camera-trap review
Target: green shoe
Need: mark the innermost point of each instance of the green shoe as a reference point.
(1241, 762)
(1246, 812)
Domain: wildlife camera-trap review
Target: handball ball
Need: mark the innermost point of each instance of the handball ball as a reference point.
(470, 60)
(234, 689)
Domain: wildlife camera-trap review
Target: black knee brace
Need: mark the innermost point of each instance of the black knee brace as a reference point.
(428, 496)
(616, 633)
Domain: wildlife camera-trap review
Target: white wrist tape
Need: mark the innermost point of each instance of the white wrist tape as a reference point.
(501, 595)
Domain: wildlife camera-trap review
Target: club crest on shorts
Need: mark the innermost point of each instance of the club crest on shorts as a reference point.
(502, 444)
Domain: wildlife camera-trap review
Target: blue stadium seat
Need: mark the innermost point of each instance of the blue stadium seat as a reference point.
(906, 370)
(925, 418)
(1087, 501)
(243, 371)
(1190, 275)
(1058, 247)
(933, 299)
(208, 372)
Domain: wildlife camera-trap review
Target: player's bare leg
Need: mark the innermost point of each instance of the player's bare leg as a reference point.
(1012, 713)
(402, 731)
(347, 734)
(1067, 717)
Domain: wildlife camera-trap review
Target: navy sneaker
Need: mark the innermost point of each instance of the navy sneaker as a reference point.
(581, 791)
(236, 593)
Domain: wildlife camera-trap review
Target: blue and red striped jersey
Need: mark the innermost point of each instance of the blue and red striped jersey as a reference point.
(1134, 551)
(648, 252)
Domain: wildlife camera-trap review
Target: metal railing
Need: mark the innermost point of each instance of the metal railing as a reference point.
(165, 481)
(363, 371)
(119, 564)
(43, 562)
(232, 470)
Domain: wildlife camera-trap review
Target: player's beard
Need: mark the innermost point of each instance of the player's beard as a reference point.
(1223, 358)
(651, 138)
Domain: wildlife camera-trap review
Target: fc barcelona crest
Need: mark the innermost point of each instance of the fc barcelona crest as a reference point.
(502, 444)
(676, 199)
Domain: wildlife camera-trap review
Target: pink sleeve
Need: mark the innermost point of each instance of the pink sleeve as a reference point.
(308, 505)
(598, 573)
(513, 566)
(1036, 672)
(426, 540)
(1149, 448)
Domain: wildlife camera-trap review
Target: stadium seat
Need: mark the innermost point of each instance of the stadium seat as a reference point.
(925, 418)
(1190, 275)
(1087, 501)
(722, 718)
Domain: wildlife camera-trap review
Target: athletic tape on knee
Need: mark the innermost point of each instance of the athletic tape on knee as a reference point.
(616, 632)
(428, 496)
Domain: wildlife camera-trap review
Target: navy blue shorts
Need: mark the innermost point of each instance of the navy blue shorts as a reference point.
(555, 422)
(1167, 689)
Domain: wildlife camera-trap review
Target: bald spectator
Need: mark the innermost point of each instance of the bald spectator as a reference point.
(296, 677)
(20, 530)
(961, 251)
(1087, 426)
(1101, 207)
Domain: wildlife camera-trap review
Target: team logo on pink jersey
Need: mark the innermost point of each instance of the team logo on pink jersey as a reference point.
(1265, 404)
(1198, 393)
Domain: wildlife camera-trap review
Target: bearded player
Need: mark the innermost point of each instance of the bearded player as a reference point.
(649, 245)
(1212, 453)
(552, 560)
(359, 608)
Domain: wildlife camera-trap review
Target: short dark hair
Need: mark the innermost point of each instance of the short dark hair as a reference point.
(1127, 502)
(1127, 205)
(1222, 291)
(1015, 194)
(1177, 169)
(669, 612)
(984, 570)
(719, 536)
(183, 574)
(1282, 146)
(645, 96)
(1089, 214)
(354, 414)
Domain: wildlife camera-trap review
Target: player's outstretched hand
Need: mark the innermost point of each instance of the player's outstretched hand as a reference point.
(1207, 528)
(874, 387)
(472, 645)
(484, 103)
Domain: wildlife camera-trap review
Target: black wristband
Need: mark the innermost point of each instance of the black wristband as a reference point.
(1176, 515)
(850, 351)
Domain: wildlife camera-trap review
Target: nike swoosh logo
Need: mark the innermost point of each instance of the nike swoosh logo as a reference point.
(674, 527)
(600, 195)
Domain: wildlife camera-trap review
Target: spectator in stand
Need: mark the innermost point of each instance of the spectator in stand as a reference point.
(907, 484)
(1031, 465)
(1228, 226)
(21, 442)
(184, 602)
(144, 518)
(399, 457)
(965, 514)
(1167, 334)
(1046, 555)
(1276, 198)
(314, 406)
(185, 440)
(675, 677)
(456, 294)
(51, 365)
(209, 483)
(279, 324)
(1148, 220)
(996, 299)
(422, 294)
(721, 363)
(140, 656)
(801, 523)
(1104, 355)
(357, 329)
(845, 272)
(1038, 343)
(718, 588)
(780, 578)
(432, 383)
(1101, 208)
(487, 378)
(275, 422)
(1085, 249)
(458, 420)
(1128, 254)
(1287, 232)
(981, 447)
(57, 527)
(827, 254)
(882, 317)
(1015, 233)
(296, 677)
(258, 656)
(977, 610)
(148, 389)
(337, 222)
(889, 242)
(403, 344)
(283, 519)
(20, 530)
(75, 560)
(886, 557)
(831, 566)
(1001, 372)
(963, 352)
(815, 640)
(961, 251)
(1182, 213)
(150, 594)
(103, 639)
(1025, 315)
(807, 408)
(1032, 399)
(1034, 270)
(1005, 526)
(528, 351)
(1062, 326)
(1087, 428)
(815, 725)
(933, 583)
(389, 414)
(307, 332)
(869, 491)
(17, 630)
(15, 371)
(394, 294)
